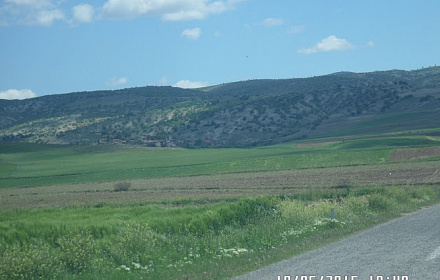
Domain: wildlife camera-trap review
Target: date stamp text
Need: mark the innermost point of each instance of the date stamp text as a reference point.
(341, 277)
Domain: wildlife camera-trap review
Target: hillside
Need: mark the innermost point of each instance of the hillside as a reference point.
(239, 114)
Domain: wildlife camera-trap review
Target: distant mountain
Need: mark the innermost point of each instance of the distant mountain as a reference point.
(239, 114)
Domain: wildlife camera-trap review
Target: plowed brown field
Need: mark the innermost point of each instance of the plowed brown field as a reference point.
(223, 185)
(414, 153)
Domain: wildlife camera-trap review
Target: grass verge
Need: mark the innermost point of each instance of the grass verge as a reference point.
(215, 241)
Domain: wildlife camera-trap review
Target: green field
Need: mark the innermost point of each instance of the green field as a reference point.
(26, 165)
(200, 213)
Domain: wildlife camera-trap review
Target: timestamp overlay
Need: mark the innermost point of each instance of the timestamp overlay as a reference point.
(406, 248)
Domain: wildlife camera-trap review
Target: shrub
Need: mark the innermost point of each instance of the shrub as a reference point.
(400, 195)
(78, 250)
(27, 262)
(379, 202)
(122, 186)
(423, 193)
(356, 204)
(133, 243)
(294, 211)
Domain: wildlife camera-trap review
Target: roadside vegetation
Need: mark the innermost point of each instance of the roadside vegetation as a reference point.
(153, 213)
(214, 241)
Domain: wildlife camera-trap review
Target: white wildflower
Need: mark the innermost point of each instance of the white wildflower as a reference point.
(123, 267)
(136, 265)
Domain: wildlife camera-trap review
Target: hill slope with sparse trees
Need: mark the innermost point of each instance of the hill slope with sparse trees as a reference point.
(239, 114)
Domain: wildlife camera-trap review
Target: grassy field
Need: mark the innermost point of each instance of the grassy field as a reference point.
(25, 165)
(199, 214)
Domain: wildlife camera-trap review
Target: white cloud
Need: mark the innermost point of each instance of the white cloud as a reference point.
(296, 29)
(31, 3)
(83, 13)
(331, 43)
(169, 10)
(190, 84)
(192, 34)
(270, 22)
(47, 17)
(370, 44)
(46, 12)
(30, 12)
(17, 94)
(117, 81)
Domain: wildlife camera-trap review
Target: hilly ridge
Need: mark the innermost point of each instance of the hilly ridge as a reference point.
(238, 114)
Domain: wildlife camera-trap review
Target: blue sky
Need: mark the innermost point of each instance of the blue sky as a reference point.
(60, 46)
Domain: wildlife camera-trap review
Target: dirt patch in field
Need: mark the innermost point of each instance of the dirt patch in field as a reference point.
(414, 153)
(218, 186)
(317, 144)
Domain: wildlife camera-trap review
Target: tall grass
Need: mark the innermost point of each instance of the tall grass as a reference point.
(207, 242)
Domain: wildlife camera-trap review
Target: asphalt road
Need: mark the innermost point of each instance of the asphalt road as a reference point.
(408, 247)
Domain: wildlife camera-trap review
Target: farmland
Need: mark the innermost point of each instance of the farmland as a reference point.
(27, 165)
(199, 213)
(218, 186)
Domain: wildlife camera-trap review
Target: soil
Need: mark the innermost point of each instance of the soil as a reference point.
(414, 153)
(211, 187)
